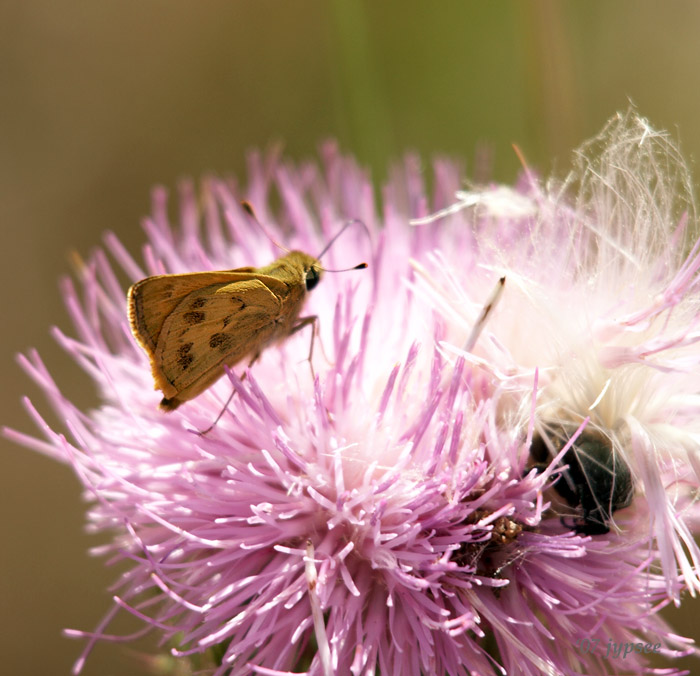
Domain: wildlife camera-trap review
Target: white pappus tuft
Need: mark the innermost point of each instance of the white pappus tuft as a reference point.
(602, 302)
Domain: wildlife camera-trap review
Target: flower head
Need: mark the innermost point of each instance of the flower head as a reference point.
(382, 513)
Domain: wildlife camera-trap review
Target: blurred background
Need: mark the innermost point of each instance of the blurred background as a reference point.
(103, 100)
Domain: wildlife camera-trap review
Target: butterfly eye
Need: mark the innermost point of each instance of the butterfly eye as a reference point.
(312, 278)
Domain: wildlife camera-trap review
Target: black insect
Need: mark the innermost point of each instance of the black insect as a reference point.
(596, 482)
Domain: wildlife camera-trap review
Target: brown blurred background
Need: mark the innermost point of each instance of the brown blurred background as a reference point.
(102, 100)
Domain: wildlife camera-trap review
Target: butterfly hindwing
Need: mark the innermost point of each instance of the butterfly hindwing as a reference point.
(212, 326)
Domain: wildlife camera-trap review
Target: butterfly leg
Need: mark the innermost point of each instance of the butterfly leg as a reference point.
(305, 321)
(228, 401)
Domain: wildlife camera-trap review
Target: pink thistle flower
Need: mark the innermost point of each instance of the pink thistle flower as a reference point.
(384, 516)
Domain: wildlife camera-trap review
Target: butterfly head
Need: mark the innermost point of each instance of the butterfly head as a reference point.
(311, 270)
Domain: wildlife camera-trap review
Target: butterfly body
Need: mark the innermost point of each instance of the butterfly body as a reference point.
(192, 325)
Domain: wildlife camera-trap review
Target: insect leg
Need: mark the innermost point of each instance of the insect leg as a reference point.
(305, 321)
(228, 401)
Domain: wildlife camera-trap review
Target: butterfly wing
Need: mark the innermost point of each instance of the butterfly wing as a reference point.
(210, 327)
(153, 299)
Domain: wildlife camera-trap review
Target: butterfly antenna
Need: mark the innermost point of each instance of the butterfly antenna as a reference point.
(354, 221)
(248, 208)
(359, 266)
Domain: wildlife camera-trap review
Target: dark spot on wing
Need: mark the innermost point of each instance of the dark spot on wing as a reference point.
(193, 317)
(227, 320)
(198, 303)
(184, 359)
(220, 341)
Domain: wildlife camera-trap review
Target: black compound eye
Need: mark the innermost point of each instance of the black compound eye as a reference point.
(312, 278)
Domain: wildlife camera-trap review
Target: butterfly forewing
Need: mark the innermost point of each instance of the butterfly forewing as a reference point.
(152, 299)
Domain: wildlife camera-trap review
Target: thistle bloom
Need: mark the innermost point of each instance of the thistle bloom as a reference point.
(381, 513)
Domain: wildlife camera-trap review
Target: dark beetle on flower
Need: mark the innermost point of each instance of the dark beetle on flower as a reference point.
(597, 481)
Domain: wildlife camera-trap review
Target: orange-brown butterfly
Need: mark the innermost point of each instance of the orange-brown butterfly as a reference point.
(194, 324)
